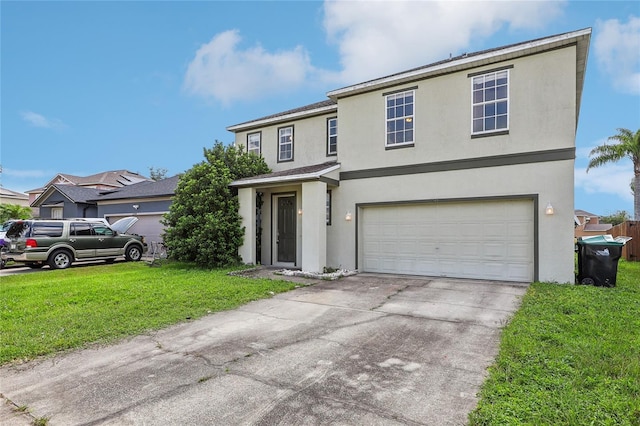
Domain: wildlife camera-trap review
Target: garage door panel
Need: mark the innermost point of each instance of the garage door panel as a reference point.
(492, 240)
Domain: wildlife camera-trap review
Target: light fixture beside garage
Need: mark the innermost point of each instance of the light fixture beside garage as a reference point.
(348, 217)
(299, 212)
(549, 209)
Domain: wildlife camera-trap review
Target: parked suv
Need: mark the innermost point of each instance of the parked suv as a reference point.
(59, 243)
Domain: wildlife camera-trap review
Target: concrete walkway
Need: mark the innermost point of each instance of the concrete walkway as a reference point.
(363, 350)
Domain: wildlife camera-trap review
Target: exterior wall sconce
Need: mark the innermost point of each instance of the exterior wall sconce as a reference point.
(549, 209)
(348, 217)
(299, 212)
(136, 207)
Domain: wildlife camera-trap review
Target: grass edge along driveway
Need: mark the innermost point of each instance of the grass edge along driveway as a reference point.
(50, 311)
(569, 356)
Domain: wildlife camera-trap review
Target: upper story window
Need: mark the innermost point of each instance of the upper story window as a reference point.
(285, 144)
(490, 102)
(332, 136)
(400, 118)
(253, 143)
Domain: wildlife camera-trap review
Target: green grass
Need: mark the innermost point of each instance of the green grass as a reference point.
(569, 356)
(49, 311)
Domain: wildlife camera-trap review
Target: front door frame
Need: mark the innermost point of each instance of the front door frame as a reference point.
(274, 228)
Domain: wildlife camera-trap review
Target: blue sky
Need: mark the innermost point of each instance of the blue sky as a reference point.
(94, 86)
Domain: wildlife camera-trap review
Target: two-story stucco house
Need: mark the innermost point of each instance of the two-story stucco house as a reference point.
(462, 168)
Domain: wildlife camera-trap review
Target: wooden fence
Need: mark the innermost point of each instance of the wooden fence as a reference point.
(630, 228)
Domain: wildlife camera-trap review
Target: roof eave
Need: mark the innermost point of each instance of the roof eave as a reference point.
(464, 63)
(283, 179)
(283, 118)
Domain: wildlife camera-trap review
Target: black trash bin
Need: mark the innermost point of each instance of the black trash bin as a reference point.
(598, 260)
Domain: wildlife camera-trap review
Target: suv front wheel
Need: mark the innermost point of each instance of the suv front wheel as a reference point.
(133, 253)
(60, 259)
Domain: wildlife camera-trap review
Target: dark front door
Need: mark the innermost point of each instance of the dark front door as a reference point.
(286, 238)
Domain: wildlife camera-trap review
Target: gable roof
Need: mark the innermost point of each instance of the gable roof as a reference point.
(9, 194)
(147, 189)
(584, 213)
(75, 194)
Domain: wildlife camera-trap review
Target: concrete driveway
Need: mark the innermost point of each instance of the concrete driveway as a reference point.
(368, 349)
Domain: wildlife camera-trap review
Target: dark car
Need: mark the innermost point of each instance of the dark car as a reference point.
(59, 243)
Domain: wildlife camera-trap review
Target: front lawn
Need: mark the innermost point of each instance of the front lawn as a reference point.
(49, 311)
(570, 356)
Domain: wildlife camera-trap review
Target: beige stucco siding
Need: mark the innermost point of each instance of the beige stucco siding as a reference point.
(542, 96)
(309, 145)
(551, 181)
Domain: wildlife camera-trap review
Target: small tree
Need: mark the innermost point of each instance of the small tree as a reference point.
(157, 174)
(616, 218)
(203, 223)
(14, 211)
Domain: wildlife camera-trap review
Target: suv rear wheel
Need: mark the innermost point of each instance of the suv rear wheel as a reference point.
(60, 259)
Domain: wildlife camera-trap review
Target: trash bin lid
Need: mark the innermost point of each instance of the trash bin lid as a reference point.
(601, 240)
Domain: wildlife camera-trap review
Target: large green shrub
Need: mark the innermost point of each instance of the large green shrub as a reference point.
(203, 223)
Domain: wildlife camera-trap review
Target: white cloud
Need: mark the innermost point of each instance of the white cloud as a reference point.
(24, 173)
(38, 120)
(374, 38)
(380, 37)
(226, 72)
(610, 179)
(617, 49)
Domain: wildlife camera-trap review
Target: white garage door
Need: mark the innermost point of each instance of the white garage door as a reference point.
(487, 240)
(148, 226)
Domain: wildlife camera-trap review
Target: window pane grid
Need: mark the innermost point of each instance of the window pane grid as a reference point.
(332, 136)
(253, 143)
(400, 118)
(285, 142)
(490, 110)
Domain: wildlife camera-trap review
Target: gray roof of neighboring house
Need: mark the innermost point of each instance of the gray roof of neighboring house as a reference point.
(598, 227)
(7, 193)
(147, 189)
(114, 178)
(584, 213)
(77, 194)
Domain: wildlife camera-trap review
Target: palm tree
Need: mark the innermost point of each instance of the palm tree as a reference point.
(628, 145)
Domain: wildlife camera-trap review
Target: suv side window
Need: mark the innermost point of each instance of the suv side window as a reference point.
(102, 230)
(81, 229)
(46, 229)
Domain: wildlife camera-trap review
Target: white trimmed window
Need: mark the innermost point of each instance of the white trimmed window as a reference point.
(400, 118)
(253, 143)
(56, 212)
(285, 144)
(490, 94)
(332, 136)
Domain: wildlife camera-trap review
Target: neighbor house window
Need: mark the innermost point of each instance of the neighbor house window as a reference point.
(490, 102)
(329, 207)
(400, 118)
(285, 143)
(253, 143)
(332, 136)
(56, 213)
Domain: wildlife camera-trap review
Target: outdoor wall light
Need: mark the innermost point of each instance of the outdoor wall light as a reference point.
(299, 212)
(348, 217)
(136, 207)
(549, 209)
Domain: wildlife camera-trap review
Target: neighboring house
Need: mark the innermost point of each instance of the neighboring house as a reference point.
(447, 170)
(589, 224)
(148, 200)
(104, 180)
(8, 196)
